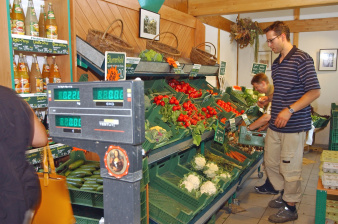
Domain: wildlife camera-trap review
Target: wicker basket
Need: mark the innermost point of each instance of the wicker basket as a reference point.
(104, 41)
(198, 56)
(164, 49)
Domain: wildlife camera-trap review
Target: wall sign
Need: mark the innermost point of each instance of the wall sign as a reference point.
(131, 64)
(258, 68)
(195, 69)
(222, 68)
(115, 66)
(219, 133)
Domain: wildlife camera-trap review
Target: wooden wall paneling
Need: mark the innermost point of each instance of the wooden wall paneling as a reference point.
(81, 19)
(6, 73)
(110, 17)
(177, 16)
(130, 4)
(91, 76)
(79, 30)
(180, 5)
(90, 14)
(188, 42)
(199, 33)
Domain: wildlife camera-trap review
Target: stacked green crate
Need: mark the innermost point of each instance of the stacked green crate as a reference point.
(143, 190)
(333, 140)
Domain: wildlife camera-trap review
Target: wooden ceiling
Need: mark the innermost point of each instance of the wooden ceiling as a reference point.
(209, 11)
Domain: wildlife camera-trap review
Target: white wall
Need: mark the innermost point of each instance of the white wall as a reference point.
(310, 42)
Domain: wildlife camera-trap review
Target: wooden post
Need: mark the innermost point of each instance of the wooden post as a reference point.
(296, 13)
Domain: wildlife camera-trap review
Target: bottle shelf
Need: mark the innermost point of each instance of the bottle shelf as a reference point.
(39, 44)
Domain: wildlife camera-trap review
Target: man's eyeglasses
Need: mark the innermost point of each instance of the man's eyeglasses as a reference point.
(271, 40)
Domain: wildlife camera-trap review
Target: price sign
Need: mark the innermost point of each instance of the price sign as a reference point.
(195, 69)
(132, 64)
(258, 68)
(232, 124)
(220, 132)
(116, 60)
(246, 120)
(179, 69)
(222, 68)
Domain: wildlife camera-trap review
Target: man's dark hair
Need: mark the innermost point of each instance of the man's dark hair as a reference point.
(259, 77)
(279, 27)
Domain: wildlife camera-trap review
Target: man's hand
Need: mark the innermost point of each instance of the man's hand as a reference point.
(282, 118)
(263, 101)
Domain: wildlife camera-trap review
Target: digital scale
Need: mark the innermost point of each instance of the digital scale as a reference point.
(106, 118)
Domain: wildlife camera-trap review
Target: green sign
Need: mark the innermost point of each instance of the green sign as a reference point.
(258, 68)
(132, 64)
(246, 120)
(195, 69)
(116, 60)
(220, 132)
(151, 5)
(179, 69)
(34, 156)
(222, 68)
(39, 45)
(232, 124)
(35, 100)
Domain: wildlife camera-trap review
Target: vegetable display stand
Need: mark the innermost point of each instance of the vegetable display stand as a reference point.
(333, 140)
(235, 95)
(255, 138)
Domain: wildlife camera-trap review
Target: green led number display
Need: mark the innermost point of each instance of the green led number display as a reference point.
(67, 94)
(68, 121)
(112, 93)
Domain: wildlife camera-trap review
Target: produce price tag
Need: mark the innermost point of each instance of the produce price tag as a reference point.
(115, 66)
(132, 64)
(258, 68)
(179, 69)
(35, 100)
(195, 69)
(232, 124)
(222, 68)
(220, 132)
(246, 120)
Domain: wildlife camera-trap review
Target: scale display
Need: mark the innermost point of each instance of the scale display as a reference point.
(98, 111)
(67, 94)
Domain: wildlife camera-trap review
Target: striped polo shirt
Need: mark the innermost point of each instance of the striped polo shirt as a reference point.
(292, 78)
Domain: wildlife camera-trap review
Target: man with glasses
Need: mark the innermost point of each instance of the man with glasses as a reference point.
(296, 86)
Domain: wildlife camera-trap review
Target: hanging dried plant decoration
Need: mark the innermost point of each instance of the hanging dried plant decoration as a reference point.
(246, 32)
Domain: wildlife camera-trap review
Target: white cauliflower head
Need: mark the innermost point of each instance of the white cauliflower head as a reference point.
(195, 180)
(187, 185)
(225, 175)
(211, 170)
(209, 188)
(198, 162)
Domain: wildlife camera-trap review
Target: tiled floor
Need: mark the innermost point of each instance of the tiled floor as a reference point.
(256, 205)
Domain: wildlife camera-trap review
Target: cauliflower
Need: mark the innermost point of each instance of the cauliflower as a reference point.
(211, 170)
(209, 188)
(194, 179)
(225, 175)
(198, 162)
(187, 185)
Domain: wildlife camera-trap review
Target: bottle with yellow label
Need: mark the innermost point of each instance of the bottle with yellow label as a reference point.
(42, 22)
(31, 21)
(51, 26)
(54, 76)
(16, 76)
(45, 74)
(36, 81)
(23, 76)
(18, 19)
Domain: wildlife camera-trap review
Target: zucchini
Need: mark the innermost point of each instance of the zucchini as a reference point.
(85, 172)
(97, 172)
(96, 165)
(67, 173)
(75, 184)
(76, 164)
(90, 182)
(75, 179)
(91, 169)
(91, 185)
(99, 180)
(99, 188)
(77, 175)
(71, 186)
(88, 188)
(93, 177)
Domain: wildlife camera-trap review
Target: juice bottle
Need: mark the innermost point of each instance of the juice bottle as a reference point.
(45, 74)
(54, 76)
(35, 77)
(18, 19)
(31, 22)
(25, 60)
(42, 22)
(16, 76)
(51, 26)
(23, 76)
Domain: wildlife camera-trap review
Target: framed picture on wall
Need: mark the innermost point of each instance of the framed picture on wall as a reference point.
(327, 60)
(264, 57)
(149, 24)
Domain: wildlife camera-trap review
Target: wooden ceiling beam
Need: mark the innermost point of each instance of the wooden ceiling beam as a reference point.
(217, 21)
(226, 7)
(309, 25)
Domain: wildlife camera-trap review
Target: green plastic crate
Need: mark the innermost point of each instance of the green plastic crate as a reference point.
(158, 87)
(143, 209)
(247, 137)
(235, 98)
(145, 179)
(163, 190)
(85, 220)
(203, 84)
(144, 220)
(86, 198)
(87, 215)
(143, 195)
(321, 122)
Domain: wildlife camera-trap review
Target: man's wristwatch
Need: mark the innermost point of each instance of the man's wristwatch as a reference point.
(291, 110)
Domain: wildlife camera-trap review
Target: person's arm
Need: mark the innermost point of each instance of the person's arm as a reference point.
(284, 116)
(263, 120)
(264, 100)
(39, 136)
